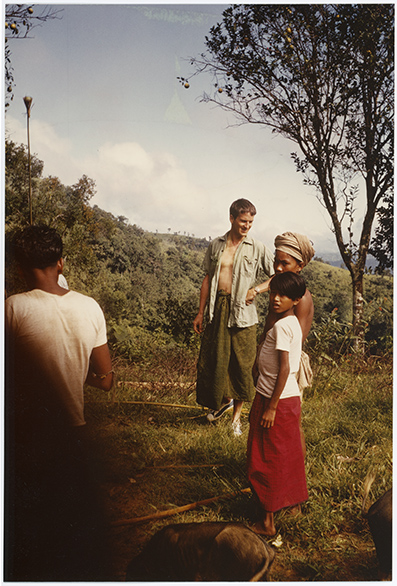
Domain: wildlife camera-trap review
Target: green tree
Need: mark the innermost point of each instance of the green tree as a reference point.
(53, 203)
(383, 243)
(322, 77)
(20, 19)
(17, 182)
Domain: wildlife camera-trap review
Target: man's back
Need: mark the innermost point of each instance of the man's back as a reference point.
(52, 337)
(56, 339)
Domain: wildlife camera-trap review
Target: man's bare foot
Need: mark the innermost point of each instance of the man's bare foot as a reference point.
(261, 529)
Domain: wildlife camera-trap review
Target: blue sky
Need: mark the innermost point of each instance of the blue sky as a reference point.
(107, 104)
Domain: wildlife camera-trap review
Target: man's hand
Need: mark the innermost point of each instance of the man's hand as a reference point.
(204, 293)
(268, 417)
(251, 294)
(198, 323)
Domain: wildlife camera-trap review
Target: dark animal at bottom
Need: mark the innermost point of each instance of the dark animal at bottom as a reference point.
(207, 552)
(380, 520)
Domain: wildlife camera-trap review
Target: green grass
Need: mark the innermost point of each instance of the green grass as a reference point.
(156, 458)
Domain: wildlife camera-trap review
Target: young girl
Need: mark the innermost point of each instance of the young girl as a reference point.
(276, 469)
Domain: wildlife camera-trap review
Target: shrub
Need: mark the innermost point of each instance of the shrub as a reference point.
(133, 342)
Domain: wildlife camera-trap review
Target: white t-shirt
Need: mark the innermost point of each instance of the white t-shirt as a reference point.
(56, 334)
(286, 334)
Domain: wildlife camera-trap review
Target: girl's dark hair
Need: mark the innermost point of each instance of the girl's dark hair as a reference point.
(289, 284)
(37, 247)
(242, 206)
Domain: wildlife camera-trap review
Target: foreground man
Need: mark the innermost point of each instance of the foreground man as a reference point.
(56, 341)
(228, 347)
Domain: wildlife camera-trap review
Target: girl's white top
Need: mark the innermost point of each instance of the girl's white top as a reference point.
(286, 334)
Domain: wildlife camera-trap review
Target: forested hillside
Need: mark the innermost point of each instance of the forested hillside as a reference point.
(148, 284)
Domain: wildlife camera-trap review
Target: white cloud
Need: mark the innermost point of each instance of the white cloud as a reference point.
(129, 155)
(151, 189)
(45, 143)
(157, 191)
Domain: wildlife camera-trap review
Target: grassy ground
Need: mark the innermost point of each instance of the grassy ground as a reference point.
(155, 458)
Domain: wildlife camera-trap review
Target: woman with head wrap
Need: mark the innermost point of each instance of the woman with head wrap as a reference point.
(293, 252)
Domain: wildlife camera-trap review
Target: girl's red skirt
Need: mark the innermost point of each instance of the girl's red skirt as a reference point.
(276, 467)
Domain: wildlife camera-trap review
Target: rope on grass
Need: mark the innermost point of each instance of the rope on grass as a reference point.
(156, 404)
(171, 512)
(148, 385)
(153, 403)
(244, 410)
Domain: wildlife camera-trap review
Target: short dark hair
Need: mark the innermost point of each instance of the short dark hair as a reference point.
(37, 247)
(289, 284)
(242, 206)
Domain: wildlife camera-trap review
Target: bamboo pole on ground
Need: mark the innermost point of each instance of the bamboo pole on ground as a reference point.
(183, 466)
(171, 512)
(154, 403)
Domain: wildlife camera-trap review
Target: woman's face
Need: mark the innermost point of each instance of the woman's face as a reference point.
(284, 262)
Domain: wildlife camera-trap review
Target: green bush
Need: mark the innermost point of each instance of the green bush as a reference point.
(134, 343)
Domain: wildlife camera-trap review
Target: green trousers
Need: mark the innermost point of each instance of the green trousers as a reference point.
(227, 355)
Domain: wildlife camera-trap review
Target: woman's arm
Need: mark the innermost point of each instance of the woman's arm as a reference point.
(254, 291)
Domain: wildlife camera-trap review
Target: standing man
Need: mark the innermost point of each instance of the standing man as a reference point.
(55, 342)
(228, 347)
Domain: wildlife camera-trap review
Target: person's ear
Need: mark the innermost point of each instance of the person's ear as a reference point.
(60, 266)
(296, 301)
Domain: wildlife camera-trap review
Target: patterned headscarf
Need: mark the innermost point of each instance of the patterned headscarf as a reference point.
(296, 245)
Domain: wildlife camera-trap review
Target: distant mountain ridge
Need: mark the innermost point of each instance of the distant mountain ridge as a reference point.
(334, 259)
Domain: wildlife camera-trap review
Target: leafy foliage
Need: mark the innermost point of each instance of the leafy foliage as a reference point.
(382, 246)
(16, 181)
(321, 76)
(332, 333)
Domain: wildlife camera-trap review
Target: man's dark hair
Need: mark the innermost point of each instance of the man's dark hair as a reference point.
(37, 247)
(289, 284)
(242, 206)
